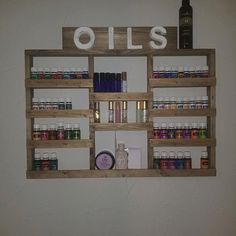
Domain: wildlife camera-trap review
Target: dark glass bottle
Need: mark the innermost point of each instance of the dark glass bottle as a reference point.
(185, 25)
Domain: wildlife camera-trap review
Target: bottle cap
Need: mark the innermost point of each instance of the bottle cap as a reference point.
(192, 98)
(35, 100)
(156, 154)
(69, 99)
(61, 100)
(204, 154)
(205, 68)
(76, 126)
(36, 126)
(42, 100)
(124, 105)
(138, 105)
(185, 99)
(44, 127)
(180, 68)
(48, 100)
(173, 99)
(144, 105)
(33, 69)
(178, 125)
(162, 68)
(85, 68)
(163, 125)
(198, 68)
(53, 156)
(171, 154)
(174, 68)
(204, 98)
(45, 155)
(194, 125)
(68, 126)
(180, 154)
(187, 154)
(156, 125)
(171, 125)
(52, 126)
(55, 100)
(110, 105)
(37, 156)
(60, 124)
(164, 154)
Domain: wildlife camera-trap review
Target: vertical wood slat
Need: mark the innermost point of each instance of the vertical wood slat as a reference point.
(149, 89)
(29, 121)
(91, 119)
(211, 120)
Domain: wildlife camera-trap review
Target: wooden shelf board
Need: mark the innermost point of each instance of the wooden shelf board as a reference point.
(121, 96)
(182, 142)
(122, 126)
(82, 143)
(182, 82)
(119, 173)
(115, 52)
(76, 83)
(182, 112)
(59, 113)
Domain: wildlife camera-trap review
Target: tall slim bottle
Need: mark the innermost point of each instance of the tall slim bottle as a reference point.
(185, 25)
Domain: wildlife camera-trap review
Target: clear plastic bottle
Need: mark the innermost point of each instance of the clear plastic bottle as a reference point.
(124, 112)
(121, 157)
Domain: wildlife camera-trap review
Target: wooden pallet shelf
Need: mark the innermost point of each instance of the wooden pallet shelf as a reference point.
(119, 173)
(90, 55)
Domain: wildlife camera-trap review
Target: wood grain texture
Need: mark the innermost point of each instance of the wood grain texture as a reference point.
(119, 173)
(122, 126)
(183, 112)
(140, 36)
(182, 142)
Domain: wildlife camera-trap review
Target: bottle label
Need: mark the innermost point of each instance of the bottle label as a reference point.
(186, 21)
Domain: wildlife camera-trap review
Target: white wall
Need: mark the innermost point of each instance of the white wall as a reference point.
(126, 206)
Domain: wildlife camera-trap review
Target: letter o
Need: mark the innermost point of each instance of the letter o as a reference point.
(84, 30)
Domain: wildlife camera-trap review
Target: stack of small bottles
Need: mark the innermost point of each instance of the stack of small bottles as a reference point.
(180, 72)
(46, 161)
(51, 103)
(59, 132)
(180, 102)
(181, 160)
(179, 131)
(39, 73)
(110, 82)
(163, 160)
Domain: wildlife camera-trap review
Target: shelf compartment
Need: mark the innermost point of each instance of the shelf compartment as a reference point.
(182, 112)
(119, 173)
(122, 126)
(76, 83)
(182, 142)
(182, 82)
(59, 113)
(121, 96)
(82, 143)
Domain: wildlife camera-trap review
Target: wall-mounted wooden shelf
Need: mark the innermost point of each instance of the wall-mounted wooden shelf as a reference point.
(149, 54)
